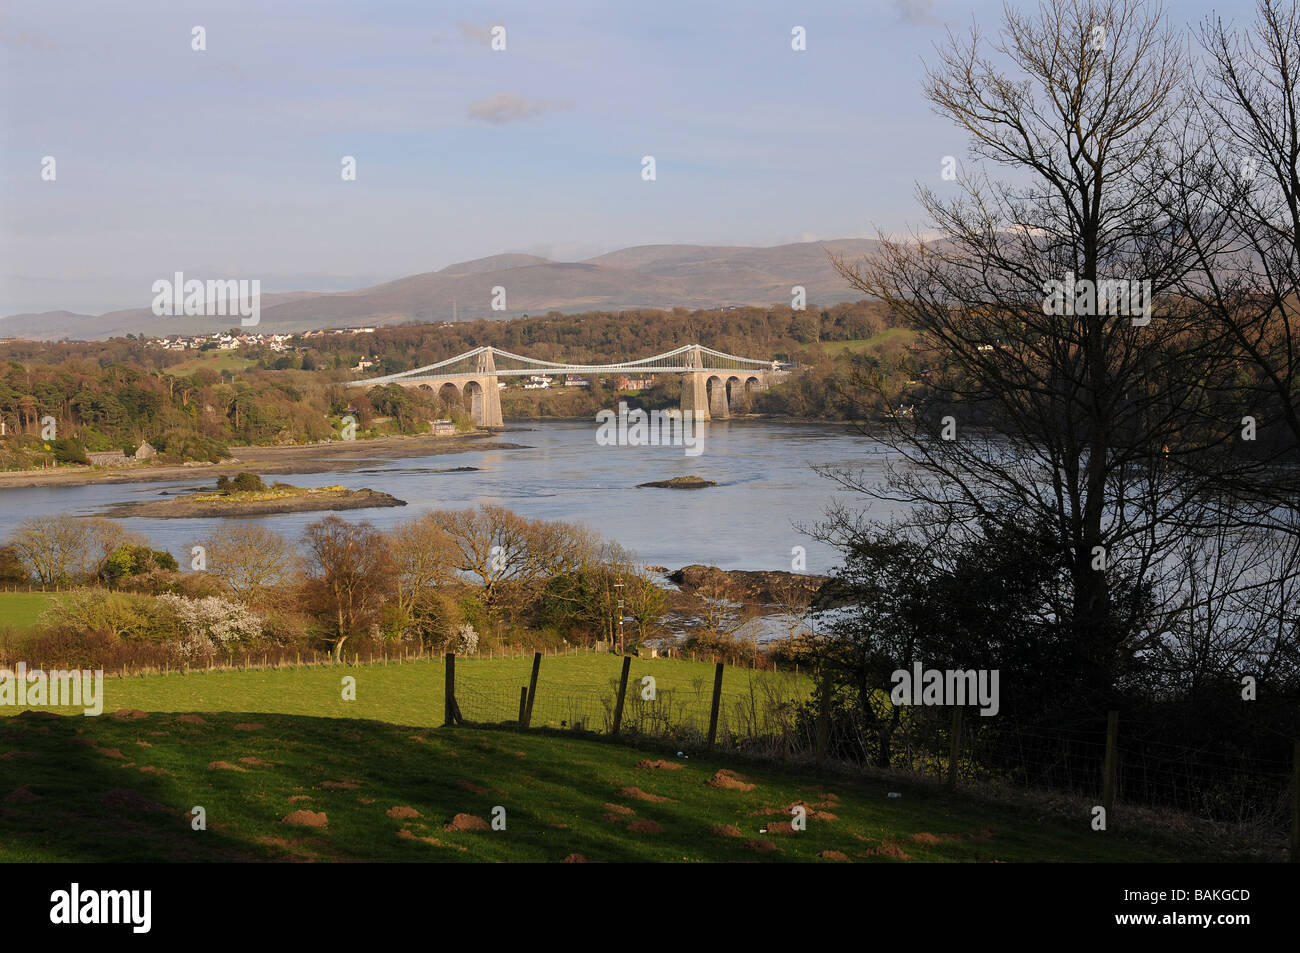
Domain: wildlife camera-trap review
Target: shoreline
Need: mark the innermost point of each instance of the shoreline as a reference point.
(322, 457)
(308, 458)
(304, 501)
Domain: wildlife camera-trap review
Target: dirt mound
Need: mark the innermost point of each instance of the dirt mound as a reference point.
(639, 795)
(761, 846)
(729, 781)
(224, 766)
(645, 826)
(299, 797)
(37, 714)
(190, 720)
(725, 830)
(306, 819)
(660, 765)
(15, 754)
(133, 801)
(129, 714)
(142, 743)
(249, 726)
(340, 785)
(619, 809)
(930, 840)
(404, 834)
(257, 762)
(887, 849)
(812, 811)
(471, 787)
(402, 811)
(780, 828)
(834, 855)
(575, 859)
(111, 753)
(22, 796)
(466, 822)
(150, 769)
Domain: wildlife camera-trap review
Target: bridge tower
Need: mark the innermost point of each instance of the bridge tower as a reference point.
(695, 388)
(486, 401)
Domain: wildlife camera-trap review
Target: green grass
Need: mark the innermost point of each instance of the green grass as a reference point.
(213, 360)
(123, 788)
(903, 335)
(570, 688)
(20, 610)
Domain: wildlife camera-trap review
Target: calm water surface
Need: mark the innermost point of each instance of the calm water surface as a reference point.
(766, 489)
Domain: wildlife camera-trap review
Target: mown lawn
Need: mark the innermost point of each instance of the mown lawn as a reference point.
(217, 361)
(292, 787)
(570, 688)
(20, 610)
(904, 335)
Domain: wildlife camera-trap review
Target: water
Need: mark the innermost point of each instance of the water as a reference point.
(766, 489)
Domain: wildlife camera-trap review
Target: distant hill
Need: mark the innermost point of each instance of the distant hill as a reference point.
(646, 276)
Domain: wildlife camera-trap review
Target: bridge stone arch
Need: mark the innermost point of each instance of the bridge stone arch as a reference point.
(716, 384)
(706, 375)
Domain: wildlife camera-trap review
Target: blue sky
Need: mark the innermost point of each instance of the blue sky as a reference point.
(226, 162)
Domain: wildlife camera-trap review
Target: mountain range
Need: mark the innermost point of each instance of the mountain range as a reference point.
(644, 276)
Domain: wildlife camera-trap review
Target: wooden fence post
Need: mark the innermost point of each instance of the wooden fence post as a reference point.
(1110, 770)
(532, 689)
(824, 718)
(622, 693)
(449, 692)
(954, 751)
(717, 701)
(523, 702)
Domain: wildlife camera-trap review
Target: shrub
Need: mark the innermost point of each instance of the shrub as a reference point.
(466, 640)
(210, 625)
(122, 615)
(247, 483)
(67, 450)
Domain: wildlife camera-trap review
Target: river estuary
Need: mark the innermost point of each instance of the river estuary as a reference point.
(766, 489)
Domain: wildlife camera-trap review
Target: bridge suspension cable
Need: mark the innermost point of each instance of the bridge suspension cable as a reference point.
(677, 361)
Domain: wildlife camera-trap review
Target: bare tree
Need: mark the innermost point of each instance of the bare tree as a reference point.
(348, 575)
(248, 558)
(59, 549)
(506, 552)
(1247, 102)
(1071, 388)
(423, 557)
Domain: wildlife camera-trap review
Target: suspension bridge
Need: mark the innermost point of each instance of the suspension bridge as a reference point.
(711, 379)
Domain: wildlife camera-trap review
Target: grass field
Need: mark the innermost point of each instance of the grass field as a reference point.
(122, 788)
(570, 688)
(213, 360)
(903, 335)
(20, 610)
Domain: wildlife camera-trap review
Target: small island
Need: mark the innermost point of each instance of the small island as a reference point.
(681, 483)
(247, 495)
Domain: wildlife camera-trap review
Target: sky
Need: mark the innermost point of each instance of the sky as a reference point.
(226, 162)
